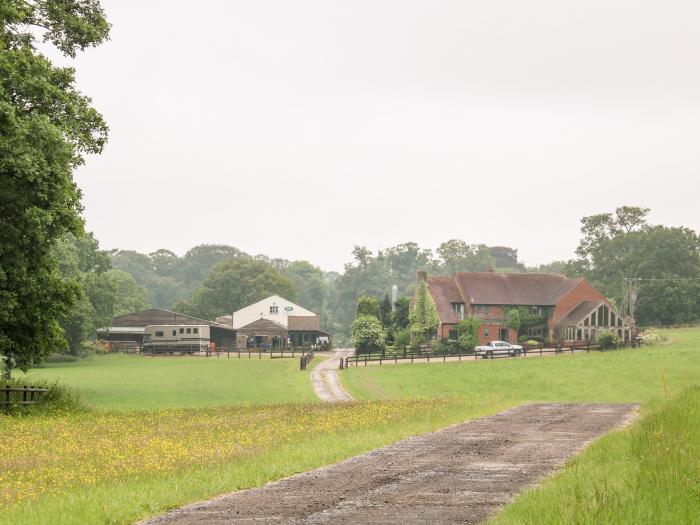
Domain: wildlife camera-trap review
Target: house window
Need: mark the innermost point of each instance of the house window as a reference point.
(486, 332)
(612, 318)
(174, 333)
(586, 321)
(274, 309)
(195, 330)
(593, 319)
(159, 333)
(189, 330)
(458, 309)
(453, 335)
(585, 334)
(182, 330)
(578, 334)
(482, 310)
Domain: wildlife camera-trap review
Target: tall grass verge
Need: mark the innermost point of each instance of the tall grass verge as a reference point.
(648, 473)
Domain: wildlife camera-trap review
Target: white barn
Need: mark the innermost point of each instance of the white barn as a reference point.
(273, 308)
(276, 321)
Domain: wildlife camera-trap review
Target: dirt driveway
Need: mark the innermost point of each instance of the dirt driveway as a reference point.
(457, 475)
(325, 380)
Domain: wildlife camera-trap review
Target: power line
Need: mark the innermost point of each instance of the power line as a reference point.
(662, 278)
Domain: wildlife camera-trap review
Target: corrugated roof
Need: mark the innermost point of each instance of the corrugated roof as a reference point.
(160, 316)
(494, 288)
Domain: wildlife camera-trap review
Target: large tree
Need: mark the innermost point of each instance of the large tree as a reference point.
(235, 283)
(46, 127)
(617, 247)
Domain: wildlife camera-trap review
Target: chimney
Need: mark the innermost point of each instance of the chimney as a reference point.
(422, 275)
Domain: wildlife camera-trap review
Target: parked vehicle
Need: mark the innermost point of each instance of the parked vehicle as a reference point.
(496, 348)
(175, 339)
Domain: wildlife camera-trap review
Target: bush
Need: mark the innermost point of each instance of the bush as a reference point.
(608, 341)
(61, 358)
(368, 334)
(532, 342)
(522, 339)
(402, 338)
(440, 347)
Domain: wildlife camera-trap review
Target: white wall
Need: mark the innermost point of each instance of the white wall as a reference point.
(261, 309)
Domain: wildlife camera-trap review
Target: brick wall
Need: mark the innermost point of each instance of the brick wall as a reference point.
(583, 291)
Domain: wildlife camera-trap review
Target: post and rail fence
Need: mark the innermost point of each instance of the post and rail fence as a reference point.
(305, 359)
(226, 352)
(21, 395)
(425, 354)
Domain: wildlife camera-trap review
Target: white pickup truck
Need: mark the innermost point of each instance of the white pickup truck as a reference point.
(496, 348)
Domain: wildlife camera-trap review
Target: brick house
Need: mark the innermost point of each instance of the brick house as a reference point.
(571, 309)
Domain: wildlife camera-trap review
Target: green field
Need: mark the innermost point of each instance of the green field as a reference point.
(129, 382)
(647, 473)
(628, 375)
(163, 432)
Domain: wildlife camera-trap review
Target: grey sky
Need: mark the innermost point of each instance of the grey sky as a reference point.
(298, 129)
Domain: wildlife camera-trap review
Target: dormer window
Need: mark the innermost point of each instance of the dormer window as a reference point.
(274, 310)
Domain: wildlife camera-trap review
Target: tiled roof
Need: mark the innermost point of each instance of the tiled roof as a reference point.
(304, 322)
(444, 292)
(577, 315)
(263, 326)
(494, 288)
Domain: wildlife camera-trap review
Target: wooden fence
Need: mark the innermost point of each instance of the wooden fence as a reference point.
(305, 359)
(424, 354)
(21, 395)
(233, 352)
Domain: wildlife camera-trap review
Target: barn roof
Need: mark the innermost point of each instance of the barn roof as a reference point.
(159, 316)
(263, 326)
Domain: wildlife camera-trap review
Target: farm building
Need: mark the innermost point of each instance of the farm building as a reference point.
(568, 309)
(276, 321)
(129, 329)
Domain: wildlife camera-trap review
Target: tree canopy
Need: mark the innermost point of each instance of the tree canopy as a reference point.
(47, 127)
(665, 261)
(235, 283)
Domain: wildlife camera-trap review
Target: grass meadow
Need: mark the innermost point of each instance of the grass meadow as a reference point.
(132, 382)
(646, 473)
(162, 432)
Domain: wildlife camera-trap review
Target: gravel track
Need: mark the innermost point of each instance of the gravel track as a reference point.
(326, 382)
(460, 474)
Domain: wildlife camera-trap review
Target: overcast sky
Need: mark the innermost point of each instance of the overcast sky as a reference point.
(298, 129)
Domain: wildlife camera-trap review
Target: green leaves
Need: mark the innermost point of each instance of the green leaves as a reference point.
(367, 334)
(46, 126)
(423, 316)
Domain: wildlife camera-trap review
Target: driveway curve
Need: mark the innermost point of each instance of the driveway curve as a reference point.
(325, 380)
